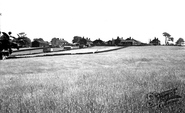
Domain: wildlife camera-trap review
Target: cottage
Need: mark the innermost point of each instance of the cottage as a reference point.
(155, 41)
(130, 42)
(110, 42)
(98, 42)
(89, 42)
(56, 42)
(37, 43)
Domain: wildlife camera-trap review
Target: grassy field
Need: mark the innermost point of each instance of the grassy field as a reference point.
(110, 82)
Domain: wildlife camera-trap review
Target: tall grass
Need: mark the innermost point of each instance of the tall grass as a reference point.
(114, 82)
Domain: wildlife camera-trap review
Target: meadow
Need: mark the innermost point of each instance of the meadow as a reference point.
(110, 82)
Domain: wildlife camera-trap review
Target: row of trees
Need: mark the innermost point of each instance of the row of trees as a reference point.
(22, 40)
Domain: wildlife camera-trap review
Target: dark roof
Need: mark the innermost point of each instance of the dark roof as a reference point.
(64, 41)
(38, 41)
(131, 40)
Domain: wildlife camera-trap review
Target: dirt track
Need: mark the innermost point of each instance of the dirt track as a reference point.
(91, 50)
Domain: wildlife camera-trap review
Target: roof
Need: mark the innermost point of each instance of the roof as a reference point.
(39, 41)
(64, 41)
(131, 40)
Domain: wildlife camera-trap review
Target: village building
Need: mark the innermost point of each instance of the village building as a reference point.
(155, 41)
(89, 42)
(114, 42)
(127, 42)
(110, 42)
(98, 42)
(130, 42)
(56, 42)
(37, 43)
(81, 41)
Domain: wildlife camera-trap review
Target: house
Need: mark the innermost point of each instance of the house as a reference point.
(81, 41)
(130, 42)
(56, 42)
(98, 42)
(112, 42)
(63, 42)
(89, 42)
(155, 41)
(109, 43)
(37, 43)
(76, 39)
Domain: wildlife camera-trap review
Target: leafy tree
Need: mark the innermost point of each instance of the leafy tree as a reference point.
(5, 43)
(167, 36)
(13, 41)
(22, 34)
(76, 39)
(55, 42)
(83, 41)
(171, 38)
(80, 40)
(23, 40)
(179, 41)
(9, 33)
(39, 39)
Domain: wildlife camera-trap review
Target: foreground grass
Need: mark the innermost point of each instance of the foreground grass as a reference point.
(98, 83)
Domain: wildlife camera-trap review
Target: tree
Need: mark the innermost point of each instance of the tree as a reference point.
(180, 41)
(5, 43)
(83, 41)
(13, 41)
(23, 40)
(39, 39)
(80, 40)
(56, 42)
(22, 34)
(76, 39)
(167, 36)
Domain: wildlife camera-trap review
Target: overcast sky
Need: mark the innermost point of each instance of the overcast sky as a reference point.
(104, 19)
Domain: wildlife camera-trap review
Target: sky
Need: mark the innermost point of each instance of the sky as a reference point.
(105, 19)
